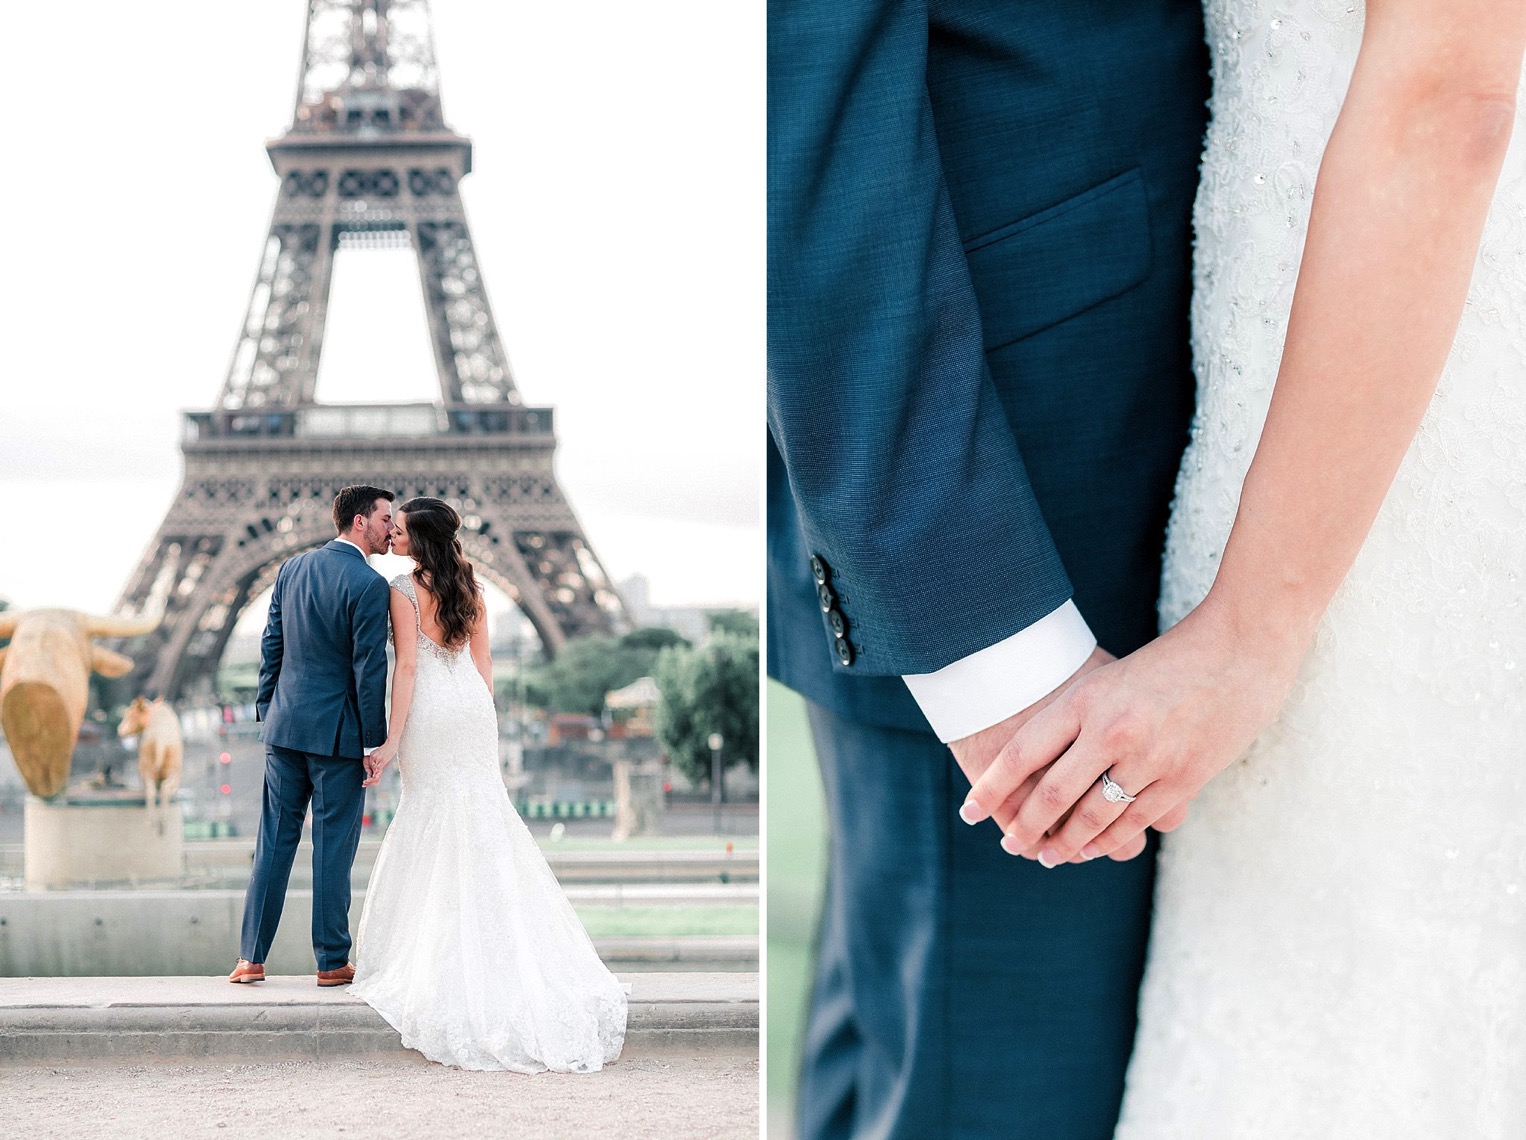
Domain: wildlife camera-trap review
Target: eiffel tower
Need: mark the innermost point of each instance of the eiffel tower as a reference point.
(367, 161)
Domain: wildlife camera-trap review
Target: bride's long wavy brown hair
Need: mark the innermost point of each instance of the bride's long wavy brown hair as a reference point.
(432, 528)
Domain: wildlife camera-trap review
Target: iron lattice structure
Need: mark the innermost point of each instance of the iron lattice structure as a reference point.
(367, 160)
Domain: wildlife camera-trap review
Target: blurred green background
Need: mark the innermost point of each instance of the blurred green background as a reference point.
(797, 862)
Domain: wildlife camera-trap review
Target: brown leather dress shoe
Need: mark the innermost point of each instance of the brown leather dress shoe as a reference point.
(342, 976)
(247, 971)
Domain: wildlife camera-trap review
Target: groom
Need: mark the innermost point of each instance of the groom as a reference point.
(979, 391)
(322, 694)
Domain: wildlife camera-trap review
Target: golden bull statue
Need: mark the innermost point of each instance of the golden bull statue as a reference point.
(45, 685)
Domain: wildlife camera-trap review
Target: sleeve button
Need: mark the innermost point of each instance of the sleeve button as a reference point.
(844, 651)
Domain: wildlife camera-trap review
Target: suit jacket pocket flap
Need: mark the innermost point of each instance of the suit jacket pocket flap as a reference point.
(1061, 261)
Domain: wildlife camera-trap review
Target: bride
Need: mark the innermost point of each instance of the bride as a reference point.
(1339, 941)
(467, 945)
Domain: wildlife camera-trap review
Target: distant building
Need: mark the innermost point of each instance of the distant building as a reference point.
(564, 728)
(511, 636)
(692, 622)
(243, 647)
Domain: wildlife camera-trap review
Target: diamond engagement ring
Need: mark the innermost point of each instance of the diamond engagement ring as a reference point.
(1113, 793)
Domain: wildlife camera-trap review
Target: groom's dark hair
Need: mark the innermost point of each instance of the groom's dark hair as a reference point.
(352, 501)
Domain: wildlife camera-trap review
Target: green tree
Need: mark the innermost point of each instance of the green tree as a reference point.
(653, 637)
(588, 667)
(738, 623)
(714, 689)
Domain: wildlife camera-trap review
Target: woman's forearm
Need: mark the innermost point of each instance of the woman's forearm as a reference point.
(482, 656)
(402, 699)
(1402, 195)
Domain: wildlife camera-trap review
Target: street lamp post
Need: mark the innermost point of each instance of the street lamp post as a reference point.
(715, 743)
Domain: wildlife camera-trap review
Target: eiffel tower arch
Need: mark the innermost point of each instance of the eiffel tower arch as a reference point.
(366, 161)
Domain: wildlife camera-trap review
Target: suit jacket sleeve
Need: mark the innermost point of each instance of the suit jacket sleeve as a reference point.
(272, 649)
(369, 624)
(904, 469)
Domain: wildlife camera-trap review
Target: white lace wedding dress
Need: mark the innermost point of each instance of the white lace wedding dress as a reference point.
(467, 945)
(1339, 947)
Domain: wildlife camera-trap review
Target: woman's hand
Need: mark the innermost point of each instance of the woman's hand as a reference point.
(975, 753)
(377, 762)
(1161, 723)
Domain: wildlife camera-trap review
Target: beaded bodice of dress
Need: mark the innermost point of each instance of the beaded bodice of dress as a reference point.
(428, 646)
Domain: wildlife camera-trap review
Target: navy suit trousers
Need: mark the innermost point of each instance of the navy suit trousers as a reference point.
(960, 992)
(332, 784)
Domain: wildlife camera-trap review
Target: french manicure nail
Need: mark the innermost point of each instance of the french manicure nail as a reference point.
(1047, 858)
(971, 812)
(1089, 851)
(1010, 845)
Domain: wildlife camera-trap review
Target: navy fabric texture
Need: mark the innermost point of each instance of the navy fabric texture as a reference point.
(979, 270)
(979, 392)
(960, 992)
(323, 659)
(332, 784)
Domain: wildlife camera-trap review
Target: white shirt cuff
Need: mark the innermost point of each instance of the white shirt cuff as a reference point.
(368, 751)
(991, 684)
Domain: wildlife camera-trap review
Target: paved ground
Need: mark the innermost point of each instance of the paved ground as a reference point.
(654, 1097)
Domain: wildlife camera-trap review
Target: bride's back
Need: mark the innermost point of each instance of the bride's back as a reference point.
(429, 616)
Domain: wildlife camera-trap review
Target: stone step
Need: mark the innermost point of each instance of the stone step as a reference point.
(721, 952)
(46, 1020)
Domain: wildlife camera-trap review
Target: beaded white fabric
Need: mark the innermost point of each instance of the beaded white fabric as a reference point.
(467, 945)
(1339, 943)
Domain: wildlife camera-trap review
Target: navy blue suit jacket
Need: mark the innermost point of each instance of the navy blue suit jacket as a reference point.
(323, 660)
(979, 269)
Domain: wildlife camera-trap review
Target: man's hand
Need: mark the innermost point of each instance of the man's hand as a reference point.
(976, 752)
(1161, 722)
(377, 762)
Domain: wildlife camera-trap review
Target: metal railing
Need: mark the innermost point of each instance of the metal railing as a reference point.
(367, 421)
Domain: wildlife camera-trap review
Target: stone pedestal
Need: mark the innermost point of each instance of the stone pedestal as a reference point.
(83, 840)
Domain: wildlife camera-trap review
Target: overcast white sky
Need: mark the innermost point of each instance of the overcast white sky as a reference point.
(617, 207)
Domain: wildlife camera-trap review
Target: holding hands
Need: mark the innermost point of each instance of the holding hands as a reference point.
(977, 753)
(1129, 743)
(377, 762)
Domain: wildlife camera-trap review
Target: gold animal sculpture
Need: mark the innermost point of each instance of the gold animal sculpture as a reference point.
(45, 685)
(161, 748)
